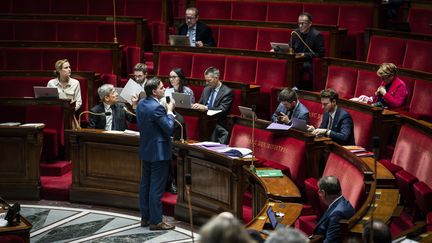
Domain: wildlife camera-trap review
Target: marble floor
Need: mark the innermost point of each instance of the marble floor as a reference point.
(55, 221)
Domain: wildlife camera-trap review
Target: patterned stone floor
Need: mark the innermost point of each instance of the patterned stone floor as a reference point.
(71, 224)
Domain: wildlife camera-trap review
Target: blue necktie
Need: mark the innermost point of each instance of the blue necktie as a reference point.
(212, 94)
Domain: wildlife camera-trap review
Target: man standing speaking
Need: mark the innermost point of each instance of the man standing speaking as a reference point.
(156, 127)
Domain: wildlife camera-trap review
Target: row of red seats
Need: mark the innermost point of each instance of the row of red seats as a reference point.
(420, 20)
(255, 38)
(407, 53)
(412, 167)
(353, 82)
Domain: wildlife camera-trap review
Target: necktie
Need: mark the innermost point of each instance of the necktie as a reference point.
(113, 123)
(211, 99)
(330, 123)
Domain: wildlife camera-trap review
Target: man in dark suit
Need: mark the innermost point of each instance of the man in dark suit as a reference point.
(199, 33)
(156, 128)
(289, 107)
(337, 123)
(118, 116)
(339, 208)
(216, 96)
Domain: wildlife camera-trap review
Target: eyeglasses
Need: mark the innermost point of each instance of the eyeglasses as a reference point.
(173, 77)
(304, 23)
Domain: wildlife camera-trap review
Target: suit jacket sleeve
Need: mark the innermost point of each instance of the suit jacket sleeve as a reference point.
(333, 233)
(346, 127)
(275, 115)
(225, 102)
(304, 116)
(164, 121)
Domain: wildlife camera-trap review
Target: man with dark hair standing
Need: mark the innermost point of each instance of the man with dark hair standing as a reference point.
(199, 33)
(337, 123)
(330, 193)
(156, 127)
(289, 107)
(216, 96)
(381, 232)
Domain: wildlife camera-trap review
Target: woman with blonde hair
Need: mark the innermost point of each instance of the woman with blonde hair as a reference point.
(392, 91)
(68, 88)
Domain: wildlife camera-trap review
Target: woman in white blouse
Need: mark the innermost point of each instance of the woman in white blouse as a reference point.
(178, 84)
(68, 88)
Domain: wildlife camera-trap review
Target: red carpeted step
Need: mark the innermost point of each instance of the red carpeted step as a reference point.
(57, 168)
(56, 187)
(169, 201)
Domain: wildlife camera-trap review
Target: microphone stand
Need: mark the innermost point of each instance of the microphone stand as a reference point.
(89, 112)
(375, 144)
(252, 166)
(129, 112)
(188, 183)
(181, 132)
(114, 21)
(301, 39)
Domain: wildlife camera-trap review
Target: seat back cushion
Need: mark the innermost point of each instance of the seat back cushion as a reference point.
(386, 49)
(343, 80)
(367, 83)
(420, 102)
(416, 56)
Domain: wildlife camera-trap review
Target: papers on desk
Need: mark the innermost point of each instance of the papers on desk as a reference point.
(278, 126)
(213, 112)
(113, 132)
(131, 133)
(10, 124)
(33, 125)
(131, 88)
(235, 152)
(359, 151)
(404, 239)
(3, 222)
(207, 144)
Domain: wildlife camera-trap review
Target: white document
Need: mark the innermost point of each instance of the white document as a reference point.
(207, 144)
(33, 125)
(131, 88)
(213, 112)
(132, 133)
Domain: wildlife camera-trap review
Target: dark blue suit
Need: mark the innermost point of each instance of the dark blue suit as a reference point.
(156, 128)
(299, 112)
(328, 225)
(203, 33)
(342, 130)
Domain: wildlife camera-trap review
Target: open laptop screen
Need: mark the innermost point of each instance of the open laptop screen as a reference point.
(45, 92)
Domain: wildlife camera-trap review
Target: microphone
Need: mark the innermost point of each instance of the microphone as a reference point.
(188, 183)
(181, 132)
(168, 99)
(301, 39)
(127, 111)
(78, 123)
(252, 166)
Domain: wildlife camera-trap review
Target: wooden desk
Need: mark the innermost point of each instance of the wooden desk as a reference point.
(106, 168)
(21, 230)
(384, 177)
(20, 151)
(291, 210)
(217, 183)
(386, 201)
(276, 188)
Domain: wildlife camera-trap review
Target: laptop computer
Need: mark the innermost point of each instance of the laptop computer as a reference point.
(179, 40)
(182, 100)
(280, 47)
(246, 112)
(45, 92)
(299, 124)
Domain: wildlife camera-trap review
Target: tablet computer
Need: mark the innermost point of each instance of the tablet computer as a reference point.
(280, 47)
(179, 40)
(246, 112)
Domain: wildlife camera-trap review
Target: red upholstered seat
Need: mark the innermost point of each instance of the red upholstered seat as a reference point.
(240, 69)
(419, 20)
(423, 196)
(367, 83)
(386, 49)
(363, 124)
(393, 168)
(192, 127)
(14, 59)
(215, 32)
(78, 7)
(326, 36)
(315, 111)
(343, 80)
(283, 11)
(409, 84)
(287, 151)
(307, 223)
(35, 30)
(149, 9)
(79, 31)
(170, 60)
(267, 35)
(50, 57)
(237, 37)
(197, 91)
(417, 57)
(419, 107)
(326, 14)
(236, 102)
(270, 73)
(249, 10)
(214, 9)
(29, 6)
(405, 182)
(95, 60)
(200, 62)
(100, 7)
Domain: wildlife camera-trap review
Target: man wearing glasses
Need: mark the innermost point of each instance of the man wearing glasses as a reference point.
(308, 42)
(199, 33)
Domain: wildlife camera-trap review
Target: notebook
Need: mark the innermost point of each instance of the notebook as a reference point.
(179, 40)
(280, 47)
(45, 92)
(246, 112)
(182, 100)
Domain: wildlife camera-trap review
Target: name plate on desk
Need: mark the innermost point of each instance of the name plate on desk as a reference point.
(269, 173)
